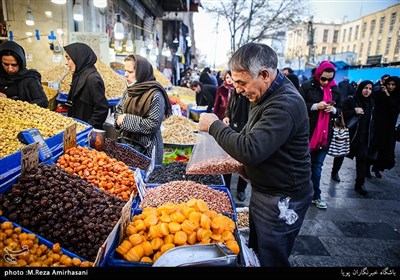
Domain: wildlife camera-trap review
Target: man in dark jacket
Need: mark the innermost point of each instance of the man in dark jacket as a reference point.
(205, 94)
(274, 149)
(86, 98)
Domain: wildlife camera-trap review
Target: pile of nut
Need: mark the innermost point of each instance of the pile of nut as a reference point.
(114, 83)
(179, 130)
(215, 165)
(181, 191)
(17, 116)
(242, 217)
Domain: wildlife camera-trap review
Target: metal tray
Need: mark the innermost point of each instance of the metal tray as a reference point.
(215, 254)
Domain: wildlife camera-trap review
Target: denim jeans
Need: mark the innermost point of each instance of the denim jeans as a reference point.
(317, 161)
(271, 237)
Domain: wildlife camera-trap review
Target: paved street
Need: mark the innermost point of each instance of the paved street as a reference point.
(354, 231)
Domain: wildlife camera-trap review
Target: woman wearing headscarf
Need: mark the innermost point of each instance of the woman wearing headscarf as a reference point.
(361, 105)
(16, 81)
(387, 107)
(142, 109)
(86, 98)
(321, 95)
(223, 94)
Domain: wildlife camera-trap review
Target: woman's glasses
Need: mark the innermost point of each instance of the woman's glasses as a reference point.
(326, 79)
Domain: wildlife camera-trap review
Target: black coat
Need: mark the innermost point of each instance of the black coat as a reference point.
(312, 93)
(86, 98)
(362, 133)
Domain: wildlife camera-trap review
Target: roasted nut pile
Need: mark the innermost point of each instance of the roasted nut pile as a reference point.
(55, 74)
(114, 83)
(215, 165)
(157, 230)
(181, 191)
(108, 174)
(126, 155)
(243, 217)
(14, 239)
(62, 208)
(176, 171)
(18, 115)
(179, 130)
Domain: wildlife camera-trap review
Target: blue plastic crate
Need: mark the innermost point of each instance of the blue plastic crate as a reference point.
(115, 260)
(10, 166)
(42, 240)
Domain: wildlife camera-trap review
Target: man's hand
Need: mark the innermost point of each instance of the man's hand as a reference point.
(205, 120)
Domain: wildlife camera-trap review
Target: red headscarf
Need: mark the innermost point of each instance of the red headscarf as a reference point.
(320, 134)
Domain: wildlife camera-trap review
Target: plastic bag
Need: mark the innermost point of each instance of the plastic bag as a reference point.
(209, 158)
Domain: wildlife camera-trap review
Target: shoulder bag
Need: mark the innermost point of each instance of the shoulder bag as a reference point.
(340, 142)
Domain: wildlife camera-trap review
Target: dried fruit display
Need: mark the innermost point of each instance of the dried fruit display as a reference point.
(30, 253)
(157, 230)
(108, 174)
(19, 115)
(62, 208)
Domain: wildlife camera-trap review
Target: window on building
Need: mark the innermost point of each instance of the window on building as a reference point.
(381, 25)
(335, 36)
(397, 47)
(388, 42)
(354, 48)
(323, 50)
(342, 50)
(356, 32)
(364, 30)
(348, 48)
(361, 49)
(372, 29)
(392, 21)
(344, 35)
(378, 47)
(369, 48)
(350, 31)
(334, 50)
(325, 38)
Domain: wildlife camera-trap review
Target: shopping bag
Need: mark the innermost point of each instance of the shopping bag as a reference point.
(209, 158)
(340, 142)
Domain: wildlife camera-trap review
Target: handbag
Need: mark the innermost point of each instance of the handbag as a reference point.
(340, 142)
(352, 121)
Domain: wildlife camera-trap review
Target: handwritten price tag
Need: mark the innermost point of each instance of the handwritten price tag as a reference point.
(29, 157)
(69, 137)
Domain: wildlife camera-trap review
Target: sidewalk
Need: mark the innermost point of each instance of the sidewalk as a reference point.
(354, 231)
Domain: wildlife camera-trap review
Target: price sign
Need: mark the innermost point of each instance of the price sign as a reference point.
(29, 157)
(69, 137)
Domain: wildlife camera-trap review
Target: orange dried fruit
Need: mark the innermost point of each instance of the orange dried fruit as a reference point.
(174, 227)
(167, 247)
(201, 205)
(135, 239)
(180, 238)
(233, 246)
(124, 247)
